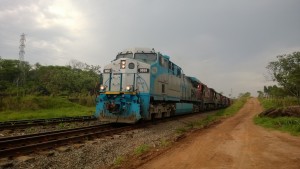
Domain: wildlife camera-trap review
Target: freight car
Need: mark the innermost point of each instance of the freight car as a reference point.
(141, 83)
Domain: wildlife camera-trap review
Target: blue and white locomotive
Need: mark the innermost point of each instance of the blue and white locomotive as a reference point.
(144, 84)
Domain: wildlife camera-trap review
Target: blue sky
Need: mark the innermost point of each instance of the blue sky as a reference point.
(225, 43)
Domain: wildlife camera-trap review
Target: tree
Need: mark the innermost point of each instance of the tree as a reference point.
(247, 94)
(48, 80)
(274, 91)
(260, 94)
(286, 71)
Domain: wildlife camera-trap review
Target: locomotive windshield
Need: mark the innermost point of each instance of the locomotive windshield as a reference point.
(145, 57)
(124, 55)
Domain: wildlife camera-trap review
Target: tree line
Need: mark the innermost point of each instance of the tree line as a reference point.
(21, 78)
(286, 72)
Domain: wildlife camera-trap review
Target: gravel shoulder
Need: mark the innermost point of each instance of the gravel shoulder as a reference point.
(235, 143)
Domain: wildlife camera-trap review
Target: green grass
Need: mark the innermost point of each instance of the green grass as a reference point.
(181, 130)
(119, 160)
(285, 124)
(32, 107)
(142, 149)
(164, 143)
(268, 103)
(46, 113)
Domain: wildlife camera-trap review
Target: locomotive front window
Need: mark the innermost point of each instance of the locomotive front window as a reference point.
(146, 57)
(124, 55)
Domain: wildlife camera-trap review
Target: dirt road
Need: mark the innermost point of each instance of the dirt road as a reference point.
(235, 143)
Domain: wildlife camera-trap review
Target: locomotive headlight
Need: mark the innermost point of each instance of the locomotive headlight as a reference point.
(102, 88)
(128, 88)
(123, 64)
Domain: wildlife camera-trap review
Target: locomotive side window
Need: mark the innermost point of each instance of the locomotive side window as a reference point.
(178, 72)
(170, 65)
(166, 63)
(163, 62)
(173, 66)
(162, 88)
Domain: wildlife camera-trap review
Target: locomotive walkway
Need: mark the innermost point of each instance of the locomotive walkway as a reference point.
(235, 143)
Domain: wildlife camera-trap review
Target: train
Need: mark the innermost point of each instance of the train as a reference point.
(142, 84)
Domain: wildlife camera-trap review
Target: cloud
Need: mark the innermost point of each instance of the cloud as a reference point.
(226, 44)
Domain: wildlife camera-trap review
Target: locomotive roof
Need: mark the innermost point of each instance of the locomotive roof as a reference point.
(138, 50)
(193, 79)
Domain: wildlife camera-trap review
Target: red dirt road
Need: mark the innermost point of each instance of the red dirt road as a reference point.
(234, 143)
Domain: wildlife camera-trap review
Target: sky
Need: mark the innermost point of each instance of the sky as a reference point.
(226, 44)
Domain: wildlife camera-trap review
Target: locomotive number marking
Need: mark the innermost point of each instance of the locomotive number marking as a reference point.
(143, 70)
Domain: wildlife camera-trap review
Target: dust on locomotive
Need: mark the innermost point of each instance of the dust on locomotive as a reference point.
(144, 84)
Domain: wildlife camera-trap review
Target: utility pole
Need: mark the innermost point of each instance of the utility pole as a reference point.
(22, 76)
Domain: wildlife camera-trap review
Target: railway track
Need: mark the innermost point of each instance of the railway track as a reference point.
(27, 144)
(36, 122)
(20, 145)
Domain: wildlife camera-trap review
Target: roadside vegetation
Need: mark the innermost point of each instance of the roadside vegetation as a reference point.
(142, 149)
(37, 91)
(282, 103)
(41, 107)
(269, 103)
(283, 121)
(119, 160)
(286, 124)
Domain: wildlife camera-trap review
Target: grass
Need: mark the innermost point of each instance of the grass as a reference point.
(119, 160)
(141, 149)
(268, 103)
(32, 107)
(164, 143)
(46, 113)
(285, 124)
(181, 130)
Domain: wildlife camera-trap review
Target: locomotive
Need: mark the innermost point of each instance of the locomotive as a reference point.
(141, 83)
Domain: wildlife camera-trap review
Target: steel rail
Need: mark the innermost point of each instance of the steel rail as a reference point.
(13, 146)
